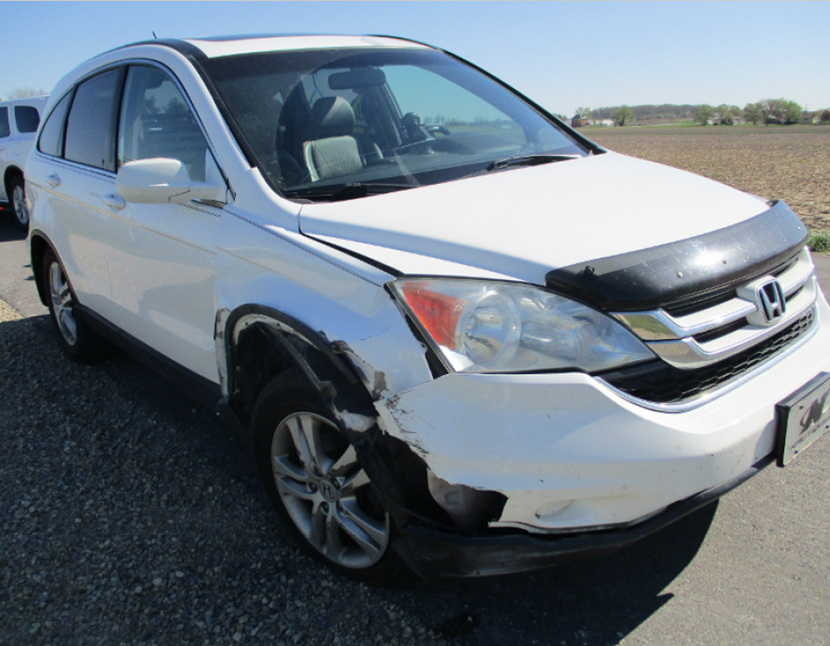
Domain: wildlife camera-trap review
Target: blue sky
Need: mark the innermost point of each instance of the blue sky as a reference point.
(562, 54)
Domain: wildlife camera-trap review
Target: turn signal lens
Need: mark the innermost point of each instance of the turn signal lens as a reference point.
(438, 313)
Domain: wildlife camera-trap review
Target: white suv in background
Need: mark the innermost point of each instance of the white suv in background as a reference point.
(464, 337)
(19, 120)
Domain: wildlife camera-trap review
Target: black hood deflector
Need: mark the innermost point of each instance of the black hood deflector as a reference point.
(693, 269)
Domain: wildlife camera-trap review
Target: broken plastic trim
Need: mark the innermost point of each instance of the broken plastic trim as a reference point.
(434, 554)
(398, 475)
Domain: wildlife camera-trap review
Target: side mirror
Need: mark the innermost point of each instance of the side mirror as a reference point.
(162, 181)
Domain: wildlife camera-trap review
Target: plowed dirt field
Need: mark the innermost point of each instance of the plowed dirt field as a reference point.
(790, 163)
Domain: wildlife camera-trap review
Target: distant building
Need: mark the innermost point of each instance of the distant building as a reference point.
(579, 122)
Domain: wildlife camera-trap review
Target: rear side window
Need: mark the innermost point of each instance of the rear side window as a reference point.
(27, 118)
(5, 131)
(51, 137)
(91, 125)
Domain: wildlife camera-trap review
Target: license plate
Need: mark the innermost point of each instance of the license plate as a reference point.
(803, 417)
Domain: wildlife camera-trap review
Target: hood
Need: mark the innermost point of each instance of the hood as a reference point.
(523, 223)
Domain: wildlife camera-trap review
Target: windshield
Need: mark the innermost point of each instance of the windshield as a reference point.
(345, 123)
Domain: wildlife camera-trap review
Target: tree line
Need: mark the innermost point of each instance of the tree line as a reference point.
(24, 93)
(765, 112)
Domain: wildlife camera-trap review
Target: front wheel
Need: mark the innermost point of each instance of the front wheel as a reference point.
(314, 479)
(17, 193)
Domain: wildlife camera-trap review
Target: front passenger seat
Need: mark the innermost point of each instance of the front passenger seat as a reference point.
(331, 150)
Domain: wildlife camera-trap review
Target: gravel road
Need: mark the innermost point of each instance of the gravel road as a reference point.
(131, 515)
(124, 524)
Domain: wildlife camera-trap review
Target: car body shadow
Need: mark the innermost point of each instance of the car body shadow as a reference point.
(9, 231)
(597, 601)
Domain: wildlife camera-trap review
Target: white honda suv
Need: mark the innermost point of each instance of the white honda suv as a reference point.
(464, 337)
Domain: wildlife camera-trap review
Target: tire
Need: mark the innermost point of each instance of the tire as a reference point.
(76, 339)
(17, 197)
(314, 480)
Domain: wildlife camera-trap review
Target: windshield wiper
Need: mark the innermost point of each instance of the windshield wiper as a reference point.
(527, 160)
(348, 191)
(520, 160)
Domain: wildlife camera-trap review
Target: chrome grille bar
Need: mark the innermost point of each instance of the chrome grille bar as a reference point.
(672, 338)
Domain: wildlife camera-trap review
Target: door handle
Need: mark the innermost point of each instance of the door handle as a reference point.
(53, 180)
(114, 201)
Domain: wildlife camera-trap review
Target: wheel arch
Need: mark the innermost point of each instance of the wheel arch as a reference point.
(11, 172)
(39, 244)
(258, 343)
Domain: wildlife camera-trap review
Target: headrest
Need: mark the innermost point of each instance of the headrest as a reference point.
(331, 116)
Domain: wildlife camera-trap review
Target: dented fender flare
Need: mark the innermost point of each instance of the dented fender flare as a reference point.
(397, 473)
(331, 375)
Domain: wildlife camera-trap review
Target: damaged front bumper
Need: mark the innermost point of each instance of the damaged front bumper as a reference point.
(434, 554)
(580, 470)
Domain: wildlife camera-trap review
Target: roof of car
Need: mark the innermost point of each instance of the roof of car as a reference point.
(30, 100)
(217, 46)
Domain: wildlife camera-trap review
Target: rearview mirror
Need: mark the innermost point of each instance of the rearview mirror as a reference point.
(358, 78)
(162, 181)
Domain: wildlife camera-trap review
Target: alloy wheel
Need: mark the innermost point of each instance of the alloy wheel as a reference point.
(326, 492)
(21, 211)
(62, 304)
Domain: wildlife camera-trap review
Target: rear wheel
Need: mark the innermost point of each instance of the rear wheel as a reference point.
(316, 482)
(17, 194)
(75, 337)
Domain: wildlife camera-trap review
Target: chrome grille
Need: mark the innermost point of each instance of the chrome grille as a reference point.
(660, 386)
(709, 351)
(707, 336)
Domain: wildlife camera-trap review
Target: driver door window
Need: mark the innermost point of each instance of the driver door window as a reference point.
(156, 121)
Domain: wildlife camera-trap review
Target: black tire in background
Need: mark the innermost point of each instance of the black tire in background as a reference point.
(17, 202)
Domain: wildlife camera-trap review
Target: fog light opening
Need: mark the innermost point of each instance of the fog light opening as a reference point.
(468, 508)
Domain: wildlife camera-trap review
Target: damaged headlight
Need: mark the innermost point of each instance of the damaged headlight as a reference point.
(490, 326)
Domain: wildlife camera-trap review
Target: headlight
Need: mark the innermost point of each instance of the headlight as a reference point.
(484, 326)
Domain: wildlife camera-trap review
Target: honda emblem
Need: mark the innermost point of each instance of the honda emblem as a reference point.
(770, 299)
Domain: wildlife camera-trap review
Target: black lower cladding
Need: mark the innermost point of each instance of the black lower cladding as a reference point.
(661, 383)
(692, 269)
